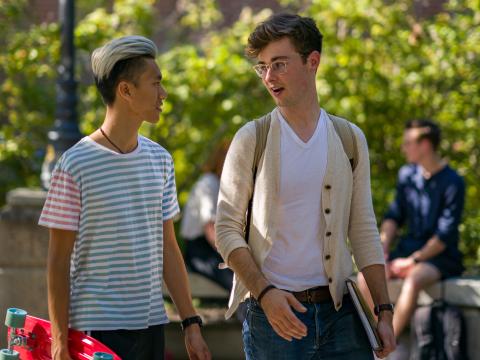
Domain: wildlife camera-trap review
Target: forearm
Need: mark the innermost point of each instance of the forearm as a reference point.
(432, 248)
(58, 283)
(377, 284)
(58, 302)
(175, 273)
(242, 263)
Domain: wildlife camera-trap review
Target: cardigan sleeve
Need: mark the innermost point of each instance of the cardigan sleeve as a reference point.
(236, 185)
(362, 231)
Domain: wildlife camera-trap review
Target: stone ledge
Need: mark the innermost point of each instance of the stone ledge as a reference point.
(23, 205)
(203, 288)
(26, 197)
(464, 292)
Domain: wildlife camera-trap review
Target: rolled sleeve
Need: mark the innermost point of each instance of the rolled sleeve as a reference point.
(451, 214)
(236, 185)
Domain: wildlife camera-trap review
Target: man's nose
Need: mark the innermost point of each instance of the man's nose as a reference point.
(269, 74)
(163, 94)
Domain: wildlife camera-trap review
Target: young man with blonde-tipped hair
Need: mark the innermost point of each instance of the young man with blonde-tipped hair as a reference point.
(110, 207)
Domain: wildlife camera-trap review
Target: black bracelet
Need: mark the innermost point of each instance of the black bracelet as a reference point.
(264, 291)
(190, 321)
(383, 307)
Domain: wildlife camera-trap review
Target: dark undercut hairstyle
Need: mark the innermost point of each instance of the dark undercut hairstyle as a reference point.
(302, 32)
(428, 130)
(122, 59)
(124, 70)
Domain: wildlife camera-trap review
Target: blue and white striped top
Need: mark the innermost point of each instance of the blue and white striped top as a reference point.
(117, 204)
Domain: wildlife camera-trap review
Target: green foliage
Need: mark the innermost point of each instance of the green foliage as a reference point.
(380, 67)
(202, 14)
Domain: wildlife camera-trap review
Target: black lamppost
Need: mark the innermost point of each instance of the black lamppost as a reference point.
(65, 131)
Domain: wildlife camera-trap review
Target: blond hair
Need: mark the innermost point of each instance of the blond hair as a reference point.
(104, 58)
(120, 59)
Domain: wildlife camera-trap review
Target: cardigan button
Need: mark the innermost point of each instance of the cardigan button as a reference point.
(328, 233)
(327, 211)
(328, 187)
(330, 280)
(327, 257)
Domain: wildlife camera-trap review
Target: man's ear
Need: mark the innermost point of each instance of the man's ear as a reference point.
(313, 60)
(124, 90)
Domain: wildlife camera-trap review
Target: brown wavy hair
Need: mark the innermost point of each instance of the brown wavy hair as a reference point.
(302, 31)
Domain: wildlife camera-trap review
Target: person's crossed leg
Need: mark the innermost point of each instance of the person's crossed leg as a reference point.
(419, 277)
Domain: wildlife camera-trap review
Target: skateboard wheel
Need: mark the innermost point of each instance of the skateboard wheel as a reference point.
(15, 318)
(6, 354)
(101, 356)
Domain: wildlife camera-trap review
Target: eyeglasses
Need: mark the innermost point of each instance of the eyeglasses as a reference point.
(277, 68)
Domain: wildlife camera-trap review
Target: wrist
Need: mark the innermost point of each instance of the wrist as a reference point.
(416, 257)
(190, 322)
(60, 340)
(192, 329)
(385, 316)
(380, 309)
(265, 290)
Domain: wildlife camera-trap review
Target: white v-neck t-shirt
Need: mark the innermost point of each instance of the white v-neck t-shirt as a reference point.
(295, 261)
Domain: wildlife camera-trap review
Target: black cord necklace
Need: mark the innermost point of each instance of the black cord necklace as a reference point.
(111, 142)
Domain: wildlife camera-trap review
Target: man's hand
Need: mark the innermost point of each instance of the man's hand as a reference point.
(277, 306)
(401, 267)
(385, 331)
(196, 347)
(60, 352)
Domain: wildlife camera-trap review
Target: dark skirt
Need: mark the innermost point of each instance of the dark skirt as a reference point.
(201, 258)
(449, 265)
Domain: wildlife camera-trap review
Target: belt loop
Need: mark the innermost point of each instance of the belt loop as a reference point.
(309, 297)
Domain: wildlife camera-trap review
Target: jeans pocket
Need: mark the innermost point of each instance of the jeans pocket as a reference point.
(254, 308)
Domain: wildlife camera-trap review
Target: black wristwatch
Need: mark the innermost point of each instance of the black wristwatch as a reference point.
(191, 320)
(382, 307)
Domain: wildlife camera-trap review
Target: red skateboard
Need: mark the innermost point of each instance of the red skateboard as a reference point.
(29, 338)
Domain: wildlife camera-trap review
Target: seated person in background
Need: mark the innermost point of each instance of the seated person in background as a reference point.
(197, 227)
(429, 201)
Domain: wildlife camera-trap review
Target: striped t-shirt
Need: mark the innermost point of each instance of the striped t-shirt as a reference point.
(117, 204)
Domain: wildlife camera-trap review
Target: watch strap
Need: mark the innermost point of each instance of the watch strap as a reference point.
(190, 321)
(382, 307)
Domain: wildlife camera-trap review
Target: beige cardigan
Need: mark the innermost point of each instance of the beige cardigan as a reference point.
(346, 207)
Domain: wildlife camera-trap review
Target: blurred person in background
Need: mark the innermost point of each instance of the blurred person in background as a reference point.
(198, 222)
(429, 203)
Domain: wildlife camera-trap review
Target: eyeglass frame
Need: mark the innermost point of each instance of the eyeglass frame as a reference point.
(269, 68)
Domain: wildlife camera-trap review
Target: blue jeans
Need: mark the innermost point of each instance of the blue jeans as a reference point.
(331, 335)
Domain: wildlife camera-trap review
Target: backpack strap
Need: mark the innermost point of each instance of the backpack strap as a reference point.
(349, 142)
(262, 126)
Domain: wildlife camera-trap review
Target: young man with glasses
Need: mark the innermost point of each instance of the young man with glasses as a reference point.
(306, 201)
(110, 210)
